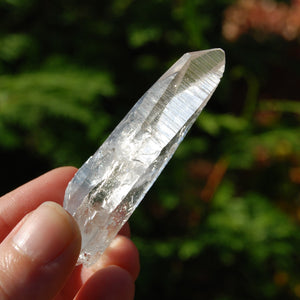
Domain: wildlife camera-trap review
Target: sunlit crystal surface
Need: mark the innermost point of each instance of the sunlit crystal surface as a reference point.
(109, 186)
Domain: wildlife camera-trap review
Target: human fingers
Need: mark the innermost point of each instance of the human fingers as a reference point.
(39, 254)
(111, 283)
(16, 204)
(122, 253)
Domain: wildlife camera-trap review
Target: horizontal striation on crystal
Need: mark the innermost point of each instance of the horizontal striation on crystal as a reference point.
(109, 186)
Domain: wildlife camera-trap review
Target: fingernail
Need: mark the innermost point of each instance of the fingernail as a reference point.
(45, 233)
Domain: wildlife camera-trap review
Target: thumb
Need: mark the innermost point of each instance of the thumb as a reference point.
(39, 254)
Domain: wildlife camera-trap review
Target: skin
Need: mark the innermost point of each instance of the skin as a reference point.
(40, 244)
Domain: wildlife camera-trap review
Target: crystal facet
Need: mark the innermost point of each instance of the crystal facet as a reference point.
(109, 186)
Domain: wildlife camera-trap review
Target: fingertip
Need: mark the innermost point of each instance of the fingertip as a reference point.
(61, 175)
(46, 233)
(109, 283)
(123, 253)
(68, 171)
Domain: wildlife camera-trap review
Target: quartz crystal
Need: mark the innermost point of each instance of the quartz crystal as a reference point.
(109, 186)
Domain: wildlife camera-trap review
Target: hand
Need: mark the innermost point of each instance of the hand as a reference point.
(40, 244)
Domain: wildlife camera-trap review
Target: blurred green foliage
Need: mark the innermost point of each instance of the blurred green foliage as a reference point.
(222, 220)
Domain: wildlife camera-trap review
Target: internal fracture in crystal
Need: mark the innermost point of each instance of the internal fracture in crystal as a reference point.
(109, 186)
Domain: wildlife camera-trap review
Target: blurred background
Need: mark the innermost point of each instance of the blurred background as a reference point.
(222, 221)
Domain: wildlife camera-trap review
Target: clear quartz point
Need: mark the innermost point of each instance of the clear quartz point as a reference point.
(109, 186)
